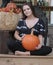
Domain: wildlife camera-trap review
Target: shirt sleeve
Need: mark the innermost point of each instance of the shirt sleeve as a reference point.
(19, 25)
(42, 28)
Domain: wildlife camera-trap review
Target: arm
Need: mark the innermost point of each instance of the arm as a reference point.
(40, 38)
(17, 31)
(41, 42)
(41, 33)
(16, 35)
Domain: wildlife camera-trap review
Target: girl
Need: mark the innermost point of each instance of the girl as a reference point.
(29, 24)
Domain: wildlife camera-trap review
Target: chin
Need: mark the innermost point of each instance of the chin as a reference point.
(28, 15)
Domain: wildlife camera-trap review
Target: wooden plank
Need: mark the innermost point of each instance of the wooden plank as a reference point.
(25, 60)
(16, 56)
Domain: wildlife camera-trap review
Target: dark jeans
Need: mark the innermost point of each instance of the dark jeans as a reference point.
(14, 45)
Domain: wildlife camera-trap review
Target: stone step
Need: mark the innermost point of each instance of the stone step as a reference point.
(25, 60)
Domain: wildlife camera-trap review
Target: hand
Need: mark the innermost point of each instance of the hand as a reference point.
(39, 46)
(20, 38)
(23, 36)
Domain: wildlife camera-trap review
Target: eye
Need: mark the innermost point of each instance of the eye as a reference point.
(28, 8)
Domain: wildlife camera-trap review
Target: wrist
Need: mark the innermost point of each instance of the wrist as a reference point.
(20, 39)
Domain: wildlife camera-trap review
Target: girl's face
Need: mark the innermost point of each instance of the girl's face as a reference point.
(27, 10)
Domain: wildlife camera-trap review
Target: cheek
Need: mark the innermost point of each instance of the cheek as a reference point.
(30, 12)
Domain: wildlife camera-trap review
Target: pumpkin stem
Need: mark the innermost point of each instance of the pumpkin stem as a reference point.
(32, 31)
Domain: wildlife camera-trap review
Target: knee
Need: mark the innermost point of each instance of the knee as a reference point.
(50, 49)
(10, 43)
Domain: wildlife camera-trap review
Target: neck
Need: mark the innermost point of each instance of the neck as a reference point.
(30, 17)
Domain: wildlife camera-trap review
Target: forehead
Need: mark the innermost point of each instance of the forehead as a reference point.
(26, 6)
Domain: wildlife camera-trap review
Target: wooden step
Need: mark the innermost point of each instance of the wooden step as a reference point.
(25, 60)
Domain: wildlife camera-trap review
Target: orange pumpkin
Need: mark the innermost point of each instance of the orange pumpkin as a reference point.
(3, 9)
(30, 42)
(17, 10)
(7, 9)
(11, 5)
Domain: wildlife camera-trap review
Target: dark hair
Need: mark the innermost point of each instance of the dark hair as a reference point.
(32, 8)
